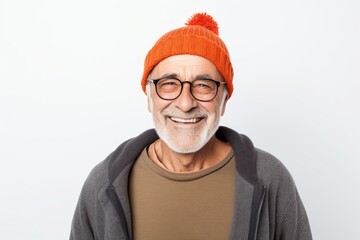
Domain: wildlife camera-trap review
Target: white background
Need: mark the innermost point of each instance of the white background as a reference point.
(70, 93)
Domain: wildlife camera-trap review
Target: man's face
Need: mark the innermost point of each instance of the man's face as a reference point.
(186, 124)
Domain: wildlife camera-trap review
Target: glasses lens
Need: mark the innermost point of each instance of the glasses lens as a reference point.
(168, 88)
(204, 90)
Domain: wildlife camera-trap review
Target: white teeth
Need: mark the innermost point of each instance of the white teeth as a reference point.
(188, 120)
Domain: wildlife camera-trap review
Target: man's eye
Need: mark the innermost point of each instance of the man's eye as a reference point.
(202, 84)
(169, 83)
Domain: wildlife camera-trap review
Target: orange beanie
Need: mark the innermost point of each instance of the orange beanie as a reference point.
(199, 37)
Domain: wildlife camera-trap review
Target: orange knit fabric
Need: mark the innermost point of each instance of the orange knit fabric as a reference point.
(200, 40)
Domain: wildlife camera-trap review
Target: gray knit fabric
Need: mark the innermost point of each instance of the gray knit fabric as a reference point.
(278, 215)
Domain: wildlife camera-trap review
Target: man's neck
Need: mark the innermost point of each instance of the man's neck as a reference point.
(211, 154)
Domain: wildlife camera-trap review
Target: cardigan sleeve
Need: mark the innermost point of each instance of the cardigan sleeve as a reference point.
(89, 213)
(286, 214)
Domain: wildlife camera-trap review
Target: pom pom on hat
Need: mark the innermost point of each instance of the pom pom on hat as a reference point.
(202, 19)
(199, 36)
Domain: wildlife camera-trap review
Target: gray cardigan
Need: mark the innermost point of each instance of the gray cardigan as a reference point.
(267, 204)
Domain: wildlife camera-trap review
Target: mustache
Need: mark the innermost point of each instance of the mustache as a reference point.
(193, 113)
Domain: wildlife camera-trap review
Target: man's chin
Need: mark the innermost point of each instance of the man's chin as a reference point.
(186, 141)
(184, 150)
(185, 144)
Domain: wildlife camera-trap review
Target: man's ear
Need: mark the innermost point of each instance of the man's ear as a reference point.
(224, 105)
(149, 100)
(149, 103)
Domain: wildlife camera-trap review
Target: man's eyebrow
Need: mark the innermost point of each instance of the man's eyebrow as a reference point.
(169, 75)
(203, 77)
(175, 75)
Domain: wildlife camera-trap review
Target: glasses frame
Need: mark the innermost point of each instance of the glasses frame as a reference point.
(155, 81)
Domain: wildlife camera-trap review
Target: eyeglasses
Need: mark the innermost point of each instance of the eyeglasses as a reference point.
(169, 88)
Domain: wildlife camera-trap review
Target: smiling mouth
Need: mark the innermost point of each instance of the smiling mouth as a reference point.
(185, 120)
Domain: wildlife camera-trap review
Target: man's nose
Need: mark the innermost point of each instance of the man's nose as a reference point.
(185, 102)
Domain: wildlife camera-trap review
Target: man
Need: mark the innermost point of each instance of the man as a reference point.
(189, 178)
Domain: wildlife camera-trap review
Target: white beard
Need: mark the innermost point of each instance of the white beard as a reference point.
(186, 141)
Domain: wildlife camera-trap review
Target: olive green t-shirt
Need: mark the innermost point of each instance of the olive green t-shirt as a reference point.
(167, 205)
